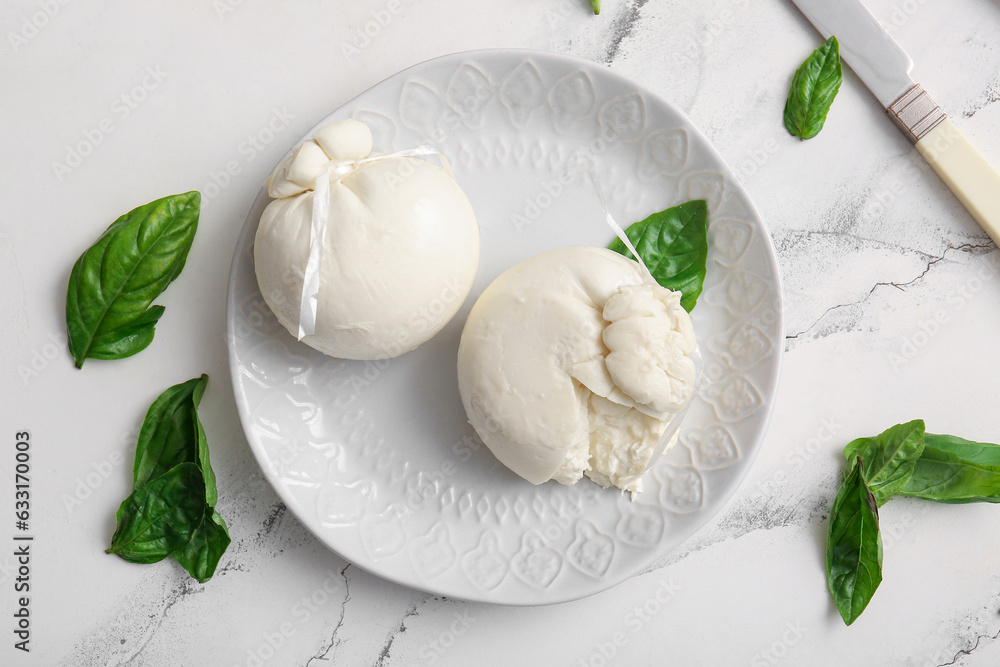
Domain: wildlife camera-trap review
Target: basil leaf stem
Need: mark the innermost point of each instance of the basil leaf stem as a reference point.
(889, 458)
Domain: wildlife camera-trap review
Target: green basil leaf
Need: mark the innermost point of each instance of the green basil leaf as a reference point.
(854, 448)
(813, 88)
(211, 493)
(113, 283)
(889, 458)
(172, 434)
(129, 339)
(954, 470)
(597, 6)
(201, 555)
(673, 244)
(854, 547)
(977, 453)
(160, 517)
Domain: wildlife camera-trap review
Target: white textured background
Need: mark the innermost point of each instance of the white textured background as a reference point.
(875, 255)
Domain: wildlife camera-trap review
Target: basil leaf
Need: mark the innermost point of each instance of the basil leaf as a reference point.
(172, 434)
(854, 547)
(673, 244)
(160, 517)
(211, 493)
(597, 6)
(953, 470)
(889, 458)
(113, 283)
(854, 448)
(171, 509)
(813, 88)
(201, 555)
(128, 339)
(168, 435)
(977, 453)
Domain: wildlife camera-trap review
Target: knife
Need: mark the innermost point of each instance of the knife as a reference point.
(885, 68)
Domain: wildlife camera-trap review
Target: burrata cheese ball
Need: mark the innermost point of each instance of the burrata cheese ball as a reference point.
(574, 363)
(401, 245)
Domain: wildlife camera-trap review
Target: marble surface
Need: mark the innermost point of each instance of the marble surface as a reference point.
(891, 295)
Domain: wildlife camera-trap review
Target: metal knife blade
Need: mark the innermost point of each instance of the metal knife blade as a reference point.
(864, 44)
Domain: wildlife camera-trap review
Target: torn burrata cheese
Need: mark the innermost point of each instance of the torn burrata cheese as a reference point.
(401, 245)
(572, 363)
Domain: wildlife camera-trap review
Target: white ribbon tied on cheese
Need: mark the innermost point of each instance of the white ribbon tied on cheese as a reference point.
(617, 229)
(331, 173)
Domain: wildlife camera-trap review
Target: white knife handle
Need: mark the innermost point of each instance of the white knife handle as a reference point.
(966, 172)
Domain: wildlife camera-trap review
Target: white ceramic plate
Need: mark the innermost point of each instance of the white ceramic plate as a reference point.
(378, 460)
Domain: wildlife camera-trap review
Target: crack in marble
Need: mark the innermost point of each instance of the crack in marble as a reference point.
(622, 28)
(968, 651)
(387, 647)
(274, 515)
(278, 531)
(965, 247)
(230, 567)
(759, 512)
(764, 512)
(989, 96)
(123, 639)
(324, 650)
(189, 587)
(270, 525)
(789, 239)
